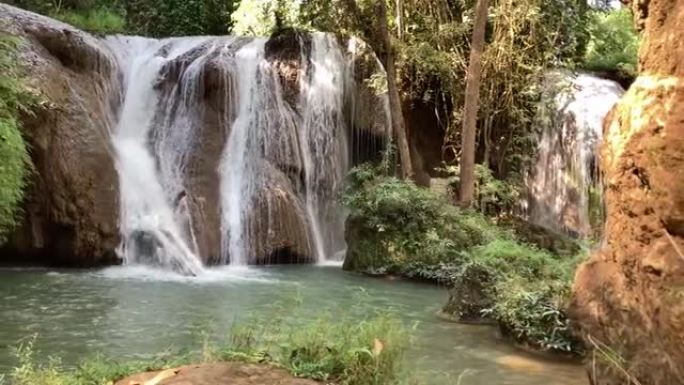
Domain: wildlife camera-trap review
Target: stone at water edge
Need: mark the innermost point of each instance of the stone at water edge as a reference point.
(229, 373)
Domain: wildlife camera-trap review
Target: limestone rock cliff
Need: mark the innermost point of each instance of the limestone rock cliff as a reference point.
(71, 207)
(628, 299)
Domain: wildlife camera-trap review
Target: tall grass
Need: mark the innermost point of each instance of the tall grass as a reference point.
(344, 351)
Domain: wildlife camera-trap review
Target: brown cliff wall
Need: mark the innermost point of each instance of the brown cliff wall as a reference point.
(71, 205)
(629, 297)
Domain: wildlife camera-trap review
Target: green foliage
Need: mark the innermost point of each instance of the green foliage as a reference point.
(101, 20)
(14, 165)
(96, 16)
(533, 312)
(614, 42)
(525, 290)
(156, 18)
(164, 18)
(96, 371)
(493, 196)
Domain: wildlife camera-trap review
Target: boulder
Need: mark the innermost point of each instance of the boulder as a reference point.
(628, 300)
(230, 373)
(71, 205)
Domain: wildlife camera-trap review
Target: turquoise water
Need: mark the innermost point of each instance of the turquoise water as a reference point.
(127, 312)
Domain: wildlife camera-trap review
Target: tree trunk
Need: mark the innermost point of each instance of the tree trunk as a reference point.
(472, 99)
(400, 19)
(395, 102)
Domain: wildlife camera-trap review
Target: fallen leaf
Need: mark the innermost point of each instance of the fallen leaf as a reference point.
(377, 347)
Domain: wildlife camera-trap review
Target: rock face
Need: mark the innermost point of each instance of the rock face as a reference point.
(628, 298)
(71, 208)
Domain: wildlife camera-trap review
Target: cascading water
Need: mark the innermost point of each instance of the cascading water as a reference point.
(227, 152)
(151, 228)
(324, 145)
(239, 177)
(563, 183)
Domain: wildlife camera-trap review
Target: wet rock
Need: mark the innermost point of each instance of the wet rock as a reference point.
(284, 51)
(71, 206)
(628, 301)
(277, 223)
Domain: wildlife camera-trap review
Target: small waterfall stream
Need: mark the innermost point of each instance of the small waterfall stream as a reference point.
(151, 227)
(324, 144)
(564, 183)
(229, 151)
(239, 176)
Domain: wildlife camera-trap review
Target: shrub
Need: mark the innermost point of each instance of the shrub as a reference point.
(494, 197)
(529, 289)
(533, 312)
(613, 44)
(14, 165)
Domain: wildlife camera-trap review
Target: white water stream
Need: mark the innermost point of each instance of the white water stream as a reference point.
(565, 175)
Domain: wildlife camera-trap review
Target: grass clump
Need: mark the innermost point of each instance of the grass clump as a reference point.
(13, 152)
(345, 351)
(100, 20)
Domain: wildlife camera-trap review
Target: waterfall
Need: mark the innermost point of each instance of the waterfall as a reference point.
(324, 145)
(564, 182)
(234, 150)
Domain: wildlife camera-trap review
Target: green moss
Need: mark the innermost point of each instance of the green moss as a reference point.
(13, 151)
